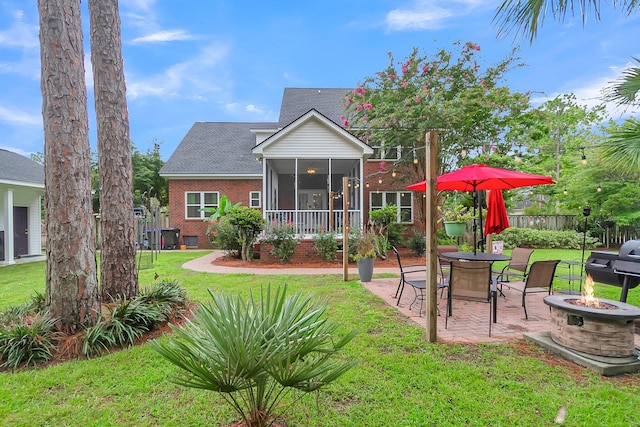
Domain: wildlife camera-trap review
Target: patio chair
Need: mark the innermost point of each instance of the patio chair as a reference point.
(539, 279)
(471, 281)
(516, 268)
(418, 284)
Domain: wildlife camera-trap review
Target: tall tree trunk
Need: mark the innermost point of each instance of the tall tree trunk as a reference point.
(71, 279)
(117, 257)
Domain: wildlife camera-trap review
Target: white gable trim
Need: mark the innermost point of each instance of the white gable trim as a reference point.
(352, 143)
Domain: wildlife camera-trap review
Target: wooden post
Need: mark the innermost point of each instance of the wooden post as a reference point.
(330, 230)
(431, 167)
(345, 228)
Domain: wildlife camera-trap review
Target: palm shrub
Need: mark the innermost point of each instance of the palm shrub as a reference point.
(168, 295)
(254, 352)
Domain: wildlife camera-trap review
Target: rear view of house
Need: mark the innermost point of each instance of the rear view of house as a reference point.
(292, 170)
(21, 191)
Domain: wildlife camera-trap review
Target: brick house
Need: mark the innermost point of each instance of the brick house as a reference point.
(292, 170)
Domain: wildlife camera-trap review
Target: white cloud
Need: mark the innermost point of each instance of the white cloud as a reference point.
(430, 14)
(189, 79)
(16, 117)
(164, 36)
(20, 34)
(253, 109)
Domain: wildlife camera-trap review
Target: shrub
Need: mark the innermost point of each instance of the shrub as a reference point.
(223, 235)
(545, 239)
(28, 340)
(125, 322)
(249, 224)
(416, 242)
(167, 292)
(282, 237)
(254, 352)
(325, 245)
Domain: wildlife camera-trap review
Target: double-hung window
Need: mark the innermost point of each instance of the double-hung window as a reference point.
(195, 201)
(255, 199)
(402, 200)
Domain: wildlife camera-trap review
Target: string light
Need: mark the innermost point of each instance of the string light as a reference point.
(367, 185)
(379, 180)
(599, 189)
(393, 174)
(564, 191)
(463, 152)
(584, 158)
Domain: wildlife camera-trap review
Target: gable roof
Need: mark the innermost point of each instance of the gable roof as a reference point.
(220, 148)
(313, 114)
(297, 101)
(15, 168)
(225, 148)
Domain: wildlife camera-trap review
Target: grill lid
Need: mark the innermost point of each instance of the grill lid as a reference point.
(630, 249)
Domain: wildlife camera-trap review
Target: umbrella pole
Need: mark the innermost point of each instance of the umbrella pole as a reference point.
(481, 241)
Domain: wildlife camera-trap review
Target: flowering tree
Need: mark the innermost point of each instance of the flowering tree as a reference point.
(451, 93)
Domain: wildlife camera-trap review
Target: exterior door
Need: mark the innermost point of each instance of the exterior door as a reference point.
(20, 231)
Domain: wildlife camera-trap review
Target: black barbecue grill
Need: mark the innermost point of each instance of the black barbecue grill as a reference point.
(617, 269)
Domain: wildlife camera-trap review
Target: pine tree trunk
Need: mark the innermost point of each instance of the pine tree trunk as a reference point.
(71, 279)
(118, 276)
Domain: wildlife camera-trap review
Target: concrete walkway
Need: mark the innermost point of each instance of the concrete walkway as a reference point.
(470, 320)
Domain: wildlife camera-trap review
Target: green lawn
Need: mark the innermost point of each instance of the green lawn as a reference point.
(401, 380)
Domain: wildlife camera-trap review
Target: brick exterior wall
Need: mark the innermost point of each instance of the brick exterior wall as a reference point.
(237, 190)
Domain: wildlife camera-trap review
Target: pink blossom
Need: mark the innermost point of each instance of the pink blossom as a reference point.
(416, 99)
(364, 118)
(346, 123)
(359, 91)
(350, 100)
(425, 68)
(342, 117)
(425, 87)
(404, 69)
(394, 121)
(391, 76)
(386, 125)
(404, 84)
(358, 107)
(368, 106)
(381, 166)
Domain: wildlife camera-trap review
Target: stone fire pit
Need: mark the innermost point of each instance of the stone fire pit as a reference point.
(604, 330)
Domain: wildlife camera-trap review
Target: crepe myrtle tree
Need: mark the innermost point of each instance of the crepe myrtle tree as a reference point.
(453, 93)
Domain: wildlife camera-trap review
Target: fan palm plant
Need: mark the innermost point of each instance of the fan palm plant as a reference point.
(255, 351)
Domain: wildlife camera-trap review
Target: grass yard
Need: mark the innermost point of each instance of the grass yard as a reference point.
(400, 379)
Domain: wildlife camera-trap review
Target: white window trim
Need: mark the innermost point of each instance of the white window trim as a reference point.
(383, 154)
(259, 199)
(203, 214)
(398, 206)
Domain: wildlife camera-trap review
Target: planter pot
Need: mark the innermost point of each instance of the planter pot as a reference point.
(453, 228)
(365, 269)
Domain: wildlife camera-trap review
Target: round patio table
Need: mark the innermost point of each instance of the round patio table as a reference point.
(479, 256)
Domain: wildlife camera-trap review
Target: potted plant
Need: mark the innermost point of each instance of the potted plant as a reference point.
(366, 245)
(455, 220)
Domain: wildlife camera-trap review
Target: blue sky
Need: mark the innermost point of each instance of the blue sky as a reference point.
(229, 60)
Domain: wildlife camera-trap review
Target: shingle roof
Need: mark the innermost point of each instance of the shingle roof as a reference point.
(225, 147)
(297, 101)
(217, 148)
(14, 167)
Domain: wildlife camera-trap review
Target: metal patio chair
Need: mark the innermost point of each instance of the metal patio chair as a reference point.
(539, 279)
(471, 281)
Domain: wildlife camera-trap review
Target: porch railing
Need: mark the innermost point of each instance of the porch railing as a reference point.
(309, 223)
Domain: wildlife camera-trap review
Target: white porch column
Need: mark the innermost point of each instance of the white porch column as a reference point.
(8, 227)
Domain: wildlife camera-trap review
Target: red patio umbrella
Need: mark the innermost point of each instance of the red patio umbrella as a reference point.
(478, 177)
(482, 177)
(497, 219)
